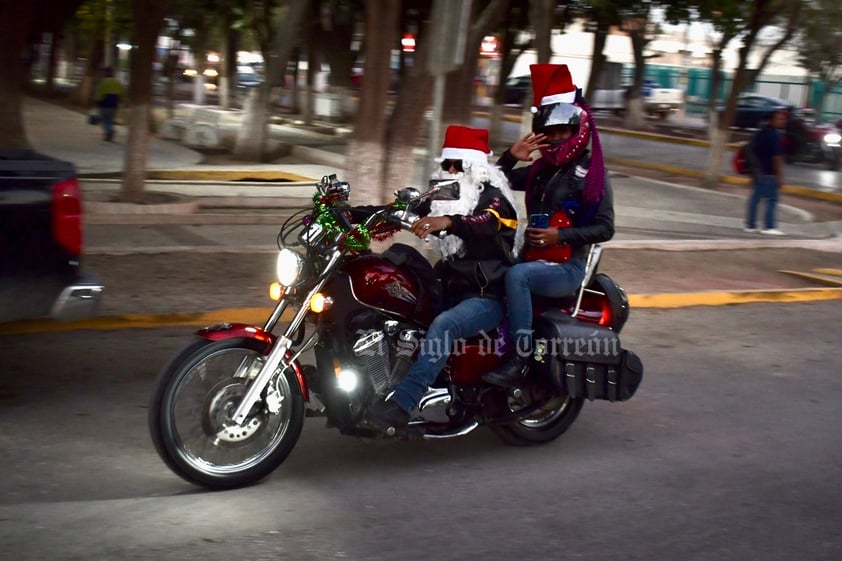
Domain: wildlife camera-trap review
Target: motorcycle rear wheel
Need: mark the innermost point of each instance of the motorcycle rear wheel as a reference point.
(189, 416)
(544, 425)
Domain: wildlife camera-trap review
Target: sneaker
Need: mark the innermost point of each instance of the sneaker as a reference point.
(750, 230)
(772, 232)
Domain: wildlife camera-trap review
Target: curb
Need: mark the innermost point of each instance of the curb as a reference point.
(257, 316)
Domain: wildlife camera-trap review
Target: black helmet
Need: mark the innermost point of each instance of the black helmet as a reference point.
(557, 114)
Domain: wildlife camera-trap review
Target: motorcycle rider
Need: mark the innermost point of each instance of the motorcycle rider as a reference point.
(481, 242)
(567, 178)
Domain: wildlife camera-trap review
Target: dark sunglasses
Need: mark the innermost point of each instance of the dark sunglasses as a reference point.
(447, 164)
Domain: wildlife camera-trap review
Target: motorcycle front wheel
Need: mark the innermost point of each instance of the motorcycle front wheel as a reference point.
(544, 425)
(190, 410)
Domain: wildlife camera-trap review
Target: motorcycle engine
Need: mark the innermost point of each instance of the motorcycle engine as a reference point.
(386, 355)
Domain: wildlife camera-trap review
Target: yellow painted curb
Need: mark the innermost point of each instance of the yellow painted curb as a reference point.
(653, 166)
(834, 272)
(251, 316)
(724, 298)
(257, 316)
(226, 175)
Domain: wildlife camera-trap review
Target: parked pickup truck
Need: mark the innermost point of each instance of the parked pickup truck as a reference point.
(41, 241)
(662, 102)
(659, 102)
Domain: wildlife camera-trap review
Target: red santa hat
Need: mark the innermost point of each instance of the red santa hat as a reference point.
(465, 143)
(551, 83)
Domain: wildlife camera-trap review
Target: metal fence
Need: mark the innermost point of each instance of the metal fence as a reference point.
(803, 92)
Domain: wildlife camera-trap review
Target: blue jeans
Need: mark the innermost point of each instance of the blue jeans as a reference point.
(106, 116)
(466, 319)
(764, 187)
(536, 277)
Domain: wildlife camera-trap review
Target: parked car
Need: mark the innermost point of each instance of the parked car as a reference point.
(247, 77)
(516, 89)
(753, 109)
(41, 241)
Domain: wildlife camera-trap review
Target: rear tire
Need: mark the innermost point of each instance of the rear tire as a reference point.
(189, 416)
(545, 425)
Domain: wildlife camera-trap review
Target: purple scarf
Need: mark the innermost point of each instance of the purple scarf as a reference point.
(595, 179)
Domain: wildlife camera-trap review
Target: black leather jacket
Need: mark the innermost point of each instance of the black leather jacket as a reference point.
(488, 244)
(557, 188)
(488, 250)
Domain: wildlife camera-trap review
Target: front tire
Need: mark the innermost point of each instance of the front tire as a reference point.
(189, 415)
(544, 425)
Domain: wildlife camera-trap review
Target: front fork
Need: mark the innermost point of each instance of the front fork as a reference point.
(276, 357)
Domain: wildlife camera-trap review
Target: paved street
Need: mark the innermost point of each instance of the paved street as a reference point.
(729, 451)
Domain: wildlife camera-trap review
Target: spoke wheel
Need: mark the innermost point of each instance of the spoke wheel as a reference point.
(543, 425)
(191, 410)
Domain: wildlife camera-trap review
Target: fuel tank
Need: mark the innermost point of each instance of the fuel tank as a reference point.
(378, 283)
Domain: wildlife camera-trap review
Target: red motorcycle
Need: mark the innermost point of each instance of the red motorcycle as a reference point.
(230, 407)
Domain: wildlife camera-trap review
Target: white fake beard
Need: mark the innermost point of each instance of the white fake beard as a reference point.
(470, 187)
(469, 192)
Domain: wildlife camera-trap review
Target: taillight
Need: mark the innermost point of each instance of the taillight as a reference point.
(67, 215)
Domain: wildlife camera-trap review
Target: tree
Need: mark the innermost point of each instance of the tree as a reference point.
(368, 148)
(460, 82)
(18, 24)
(149, 18)
(277, 32)
(512, 43)
(781, 18)
(636, 22)
(336, 24)
(818, 46)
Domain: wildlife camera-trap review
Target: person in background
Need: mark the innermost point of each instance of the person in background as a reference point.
(769, 174)
(568, 190)
(109, 95)
(481, 242)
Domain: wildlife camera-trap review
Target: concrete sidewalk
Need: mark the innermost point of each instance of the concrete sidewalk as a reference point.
(173, 168)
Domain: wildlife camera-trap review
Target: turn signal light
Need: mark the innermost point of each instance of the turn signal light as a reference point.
(276, 291)
(319, 303)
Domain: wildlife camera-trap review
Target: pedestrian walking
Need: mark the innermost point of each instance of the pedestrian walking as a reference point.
(109, 95)
(768, 174)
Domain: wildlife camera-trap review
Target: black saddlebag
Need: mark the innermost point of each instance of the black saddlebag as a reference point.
(583, 359)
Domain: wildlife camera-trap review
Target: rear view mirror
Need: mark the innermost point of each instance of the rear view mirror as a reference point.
(443, 190)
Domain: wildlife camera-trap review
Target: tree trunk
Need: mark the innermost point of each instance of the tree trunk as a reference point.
(84, 93)
(597, 58)
(149, 17)
(255, 125)
(459, 99)
(406, 124)
(635, 119)
(228, 76)
(15, 21)
(368, 149)
(55, 44)
(251, 147)
(541, 18)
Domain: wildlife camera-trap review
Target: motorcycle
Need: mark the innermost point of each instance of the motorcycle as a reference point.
(230, 407)
(817, 144)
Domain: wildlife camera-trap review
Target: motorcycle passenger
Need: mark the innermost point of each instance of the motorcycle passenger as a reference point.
(480, 245)
(568, 179)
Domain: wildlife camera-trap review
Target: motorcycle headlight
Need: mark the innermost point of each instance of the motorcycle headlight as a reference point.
(289, 267)
(832, 138)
